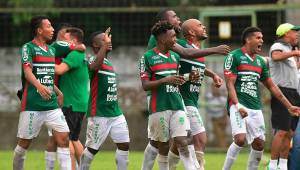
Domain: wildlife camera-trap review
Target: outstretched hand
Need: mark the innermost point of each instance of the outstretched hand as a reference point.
(222, 49)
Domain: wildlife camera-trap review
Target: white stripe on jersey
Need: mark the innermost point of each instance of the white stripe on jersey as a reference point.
(106, 73)
(166, 72)
(43, 65)
(192, 62)
(249, 73)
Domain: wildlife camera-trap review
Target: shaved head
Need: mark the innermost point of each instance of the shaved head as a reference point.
(194, 28)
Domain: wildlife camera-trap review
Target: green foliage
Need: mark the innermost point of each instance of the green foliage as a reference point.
(19, 18)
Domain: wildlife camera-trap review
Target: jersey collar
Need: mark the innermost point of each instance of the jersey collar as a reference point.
(192, 44)
(243, 49)
(37, 44)
(167, 55)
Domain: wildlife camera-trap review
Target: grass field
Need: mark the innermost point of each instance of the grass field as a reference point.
(105, 161)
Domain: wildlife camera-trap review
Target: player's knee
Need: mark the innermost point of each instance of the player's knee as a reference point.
(123, 146)
(240, 140)
(181, 141)
(282, 134)
(24, 143)
(258, 144)
(62, 140)
(51, 145)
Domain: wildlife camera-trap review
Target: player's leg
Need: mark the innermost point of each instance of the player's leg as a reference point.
(50, 153)
(30, 123)
(238, 126)
(179, 126)
(56, 121)
(97, 130)
(294, 157)
(120, 135)
(256, 136)
(150, 155)
(173, 156)
(198, 133)
(159, 131)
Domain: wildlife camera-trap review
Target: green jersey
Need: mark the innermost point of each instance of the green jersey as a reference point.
(74, 83)
(190, 90)
(247, 71)
(42, 63)
(103, 100)
(62, 49)
(154, 66)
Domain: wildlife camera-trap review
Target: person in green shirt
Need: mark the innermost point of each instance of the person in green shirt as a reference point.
(73, 83)
(39, 101)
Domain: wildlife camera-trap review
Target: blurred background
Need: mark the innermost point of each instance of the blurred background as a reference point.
(131, 21)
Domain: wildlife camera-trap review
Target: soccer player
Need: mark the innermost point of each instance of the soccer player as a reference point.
(194, 32)
(243, 68)
(73, 83)
(39, 102)
(284, 70)
(105, 116)
(63, 46)
(158, 70)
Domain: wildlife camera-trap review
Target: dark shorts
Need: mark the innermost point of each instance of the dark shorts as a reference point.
(281, 118)
(74, 121)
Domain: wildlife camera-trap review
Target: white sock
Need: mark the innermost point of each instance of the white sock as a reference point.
(86, 160)
(50, 160)
(194, 157)
(163, 162)
(19, 157)
(186, 158)
(122, 159)
(64, 158)
(254, 159)
(149, 157)
(173, 160)
(282, 164)
(273, 164)
(231, 156)
(200, 159)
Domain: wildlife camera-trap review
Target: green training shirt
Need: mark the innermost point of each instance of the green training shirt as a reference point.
(74, 83)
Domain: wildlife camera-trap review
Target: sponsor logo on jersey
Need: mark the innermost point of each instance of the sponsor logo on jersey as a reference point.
(36, 49)
(46, 80)
(25, 54)
(142, 64)
(228, 62)
(38, 53)
(155, 57)
(111, 80)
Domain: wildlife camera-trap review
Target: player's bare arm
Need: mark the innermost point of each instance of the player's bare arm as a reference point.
(42, 90)
(230, 81)
(59, 95)
(195, 53)
(61, 68)
(278, 55)
(218, 81)
(101, 54)
(174, 80)
(294, 110)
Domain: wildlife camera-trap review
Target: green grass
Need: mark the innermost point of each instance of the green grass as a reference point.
(105, 161)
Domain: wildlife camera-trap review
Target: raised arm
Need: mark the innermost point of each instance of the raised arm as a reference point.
(196, 53)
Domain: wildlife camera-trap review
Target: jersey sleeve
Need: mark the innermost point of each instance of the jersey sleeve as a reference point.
(145, 72)
(265, 74)
(26, 55)
(151, 42)
(230, 66)
(62, 48)
(73, 60)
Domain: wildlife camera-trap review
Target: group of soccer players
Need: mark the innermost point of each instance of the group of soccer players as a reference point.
(171, 72)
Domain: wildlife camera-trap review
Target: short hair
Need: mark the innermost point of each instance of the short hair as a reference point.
(92, 37)
(64, 26)
(76, 32)
(160, 28)
(35, 23)
(161, 15)
(247, 32)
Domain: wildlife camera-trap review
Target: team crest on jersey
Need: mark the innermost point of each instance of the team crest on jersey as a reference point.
(258, 62)
(228, 62)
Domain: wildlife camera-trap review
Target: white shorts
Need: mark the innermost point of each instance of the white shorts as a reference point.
(99, 127)
(167, 124)
(253, 125)
(196, 122)
(30, 122)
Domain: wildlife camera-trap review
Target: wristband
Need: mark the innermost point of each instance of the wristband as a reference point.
(186, 76)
